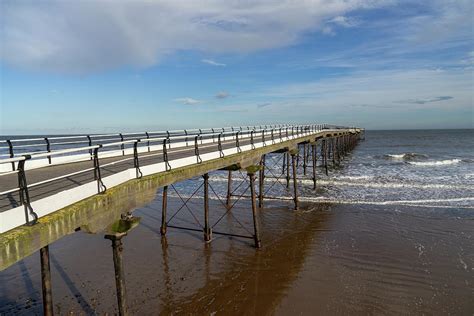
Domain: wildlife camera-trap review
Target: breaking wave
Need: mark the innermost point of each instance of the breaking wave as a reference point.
(435, 163)
(405, 156)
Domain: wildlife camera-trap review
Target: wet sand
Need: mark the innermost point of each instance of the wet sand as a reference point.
(322, 259)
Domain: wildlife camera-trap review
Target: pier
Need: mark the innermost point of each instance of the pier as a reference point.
(53, 186)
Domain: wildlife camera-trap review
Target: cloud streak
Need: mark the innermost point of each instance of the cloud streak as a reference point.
(222, 95)
(427, 100)
(87, 37)
(213, 63)
(187, 101)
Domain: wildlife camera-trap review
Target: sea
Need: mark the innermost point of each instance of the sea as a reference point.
(389, 231)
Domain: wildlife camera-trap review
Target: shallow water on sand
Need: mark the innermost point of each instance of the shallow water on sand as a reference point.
(356, 246)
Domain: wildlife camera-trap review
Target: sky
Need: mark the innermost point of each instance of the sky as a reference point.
(109, 66)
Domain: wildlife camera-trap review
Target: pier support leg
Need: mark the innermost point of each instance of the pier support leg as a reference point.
(256, 228)
(295, 180)
(284, 164)
(261, 182)
(229, 190)
(164, 205)
(287, 170)
(333, 150)
(207, 227)
(313, 153)
(325, 156)
(304, 159)
(117, 249)
(46, 282)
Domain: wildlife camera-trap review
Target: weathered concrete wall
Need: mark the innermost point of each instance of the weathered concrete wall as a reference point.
(94, 214)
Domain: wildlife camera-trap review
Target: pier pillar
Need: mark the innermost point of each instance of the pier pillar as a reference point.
(288, 170)
(46, 282)
(261, 182)
(207, 227)
(284, 163)
(115, 232)
(295, 180)
(256, 227)
(313, 152)
(326, 153)
(164, 205)
(229, 190)
(117, 249)
(305, 159)
(333, 150)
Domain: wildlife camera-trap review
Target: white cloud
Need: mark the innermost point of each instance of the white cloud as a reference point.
(222, 95)
(213, 63)
(90, 36)
(188, 101)
(344, 21)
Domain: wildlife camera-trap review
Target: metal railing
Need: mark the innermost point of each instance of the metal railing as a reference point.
(150, 143)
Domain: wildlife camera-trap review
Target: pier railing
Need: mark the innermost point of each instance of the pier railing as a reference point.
(197, 146)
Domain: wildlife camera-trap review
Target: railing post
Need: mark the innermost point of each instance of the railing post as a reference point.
(24, 193)
(252, 145)
(48, 148)
(101, 188)
(165, 155)
(10, 150)
(148, 141)
(122, 146)
(136, 162)
(89, 139)
(168, 139)
(219, 145)
(237, 143)
(196, 149)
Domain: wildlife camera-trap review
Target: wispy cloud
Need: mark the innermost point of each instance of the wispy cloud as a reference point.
(427, 100)
(213, 63)
(187, 101)
(262, 105)
(222, 95)
(344, 21)
(71, 36)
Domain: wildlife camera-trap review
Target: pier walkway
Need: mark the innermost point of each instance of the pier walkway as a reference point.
(54, 186)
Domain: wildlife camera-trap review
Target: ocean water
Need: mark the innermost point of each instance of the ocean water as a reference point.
(390, 231)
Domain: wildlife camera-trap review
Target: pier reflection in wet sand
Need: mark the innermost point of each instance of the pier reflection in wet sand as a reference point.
(331, 259)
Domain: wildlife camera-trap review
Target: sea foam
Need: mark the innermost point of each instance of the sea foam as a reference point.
(435, 163)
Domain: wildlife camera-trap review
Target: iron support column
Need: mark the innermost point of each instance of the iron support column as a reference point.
(46, 282)
(256, 229)
(229, 190)
(117, 248)
(304, 159)
(313, 152)
(295, 181)
(164, 205)
(261, 182)
(207, 228)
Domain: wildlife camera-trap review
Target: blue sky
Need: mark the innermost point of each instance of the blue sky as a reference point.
(103, 66)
